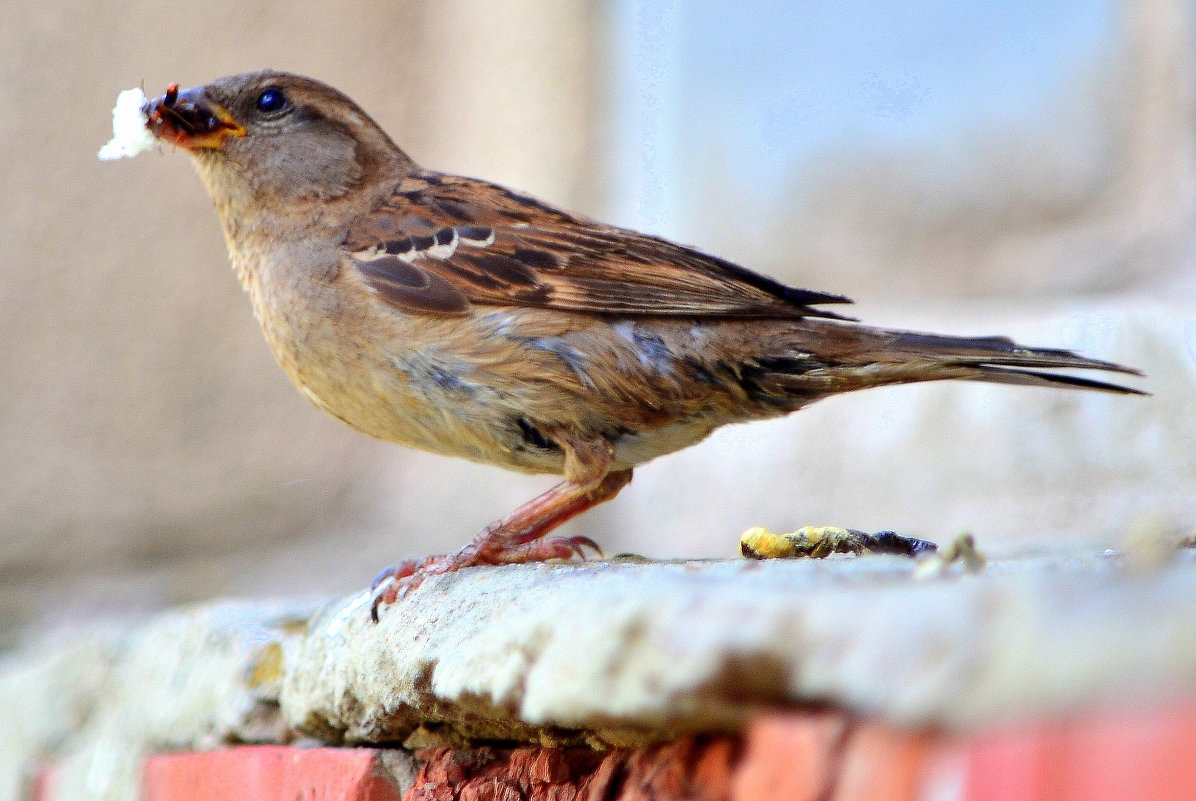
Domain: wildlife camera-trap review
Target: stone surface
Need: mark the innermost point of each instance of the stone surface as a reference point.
(619, 654)
(96, 702)
(47, 693)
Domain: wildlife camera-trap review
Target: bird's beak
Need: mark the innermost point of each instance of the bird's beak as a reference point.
(190, 119)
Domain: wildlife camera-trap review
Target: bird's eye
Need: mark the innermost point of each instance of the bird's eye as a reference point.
(271, 101)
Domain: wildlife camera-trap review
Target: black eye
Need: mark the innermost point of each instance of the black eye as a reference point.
(271, 100)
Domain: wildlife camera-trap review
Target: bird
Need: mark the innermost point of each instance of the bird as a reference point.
(464, 318)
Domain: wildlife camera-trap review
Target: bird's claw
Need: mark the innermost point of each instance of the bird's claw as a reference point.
(394, 572)
(392, 583)
(577, 546)
(492, 548)
(392, 590)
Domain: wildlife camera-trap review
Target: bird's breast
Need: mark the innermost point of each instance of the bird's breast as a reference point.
(489, 386)
(436, 384)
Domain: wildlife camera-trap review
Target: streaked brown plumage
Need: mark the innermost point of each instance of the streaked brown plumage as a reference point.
(457, 316)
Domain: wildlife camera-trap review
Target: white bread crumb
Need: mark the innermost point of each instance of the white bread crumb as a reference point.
(129, 134)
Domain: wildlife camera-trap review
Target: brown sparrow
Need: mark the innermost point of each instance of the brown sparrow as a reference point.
(454, 315)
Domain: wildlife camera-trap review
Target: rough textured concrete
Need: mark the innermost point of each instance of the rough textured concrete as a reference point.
(622, 652)
(47, 693)
(98, 701)
(604, 654)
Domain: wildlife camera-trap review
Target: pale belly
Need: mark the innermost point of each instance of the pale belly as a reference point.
(438, 398)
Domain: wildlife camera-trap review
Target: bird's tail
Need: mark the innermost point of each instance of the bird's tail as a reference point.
(1001, 360)
(829, 357)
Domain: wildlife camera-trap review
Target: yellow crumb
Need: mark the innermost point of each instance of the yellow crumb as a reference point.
(760, 543)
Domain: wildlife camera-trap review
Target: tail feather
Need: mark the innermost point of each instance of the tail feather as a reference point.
(1001, 360)
(818, 358)
(1037, 378)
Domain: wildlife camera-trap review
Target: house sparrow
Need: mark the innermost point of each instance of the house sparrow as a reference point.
(455, 315)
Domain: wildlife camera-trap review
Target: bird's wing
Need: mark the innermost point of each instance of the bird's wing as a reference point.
(441, 244)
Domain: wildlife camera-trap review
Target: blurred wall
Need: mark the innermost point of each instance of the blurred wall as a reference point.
(155, 454)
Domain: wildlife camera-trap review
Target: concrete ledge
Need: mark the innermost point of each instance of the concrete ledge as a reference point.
(95, 701)
(618, 655)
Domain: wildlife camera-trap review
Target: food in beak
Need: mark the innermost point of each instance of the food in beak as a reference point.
(129, 133)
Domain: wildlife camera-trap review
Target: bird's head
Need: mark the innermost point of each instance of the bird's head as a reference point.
(273, 139)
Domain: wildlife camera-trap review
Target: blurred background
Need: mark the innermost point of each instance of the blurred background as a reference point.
(974, 167)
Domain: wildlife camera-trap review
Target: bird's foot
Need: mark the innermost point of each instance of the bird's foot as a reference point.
(492, 547)
(518, 537)
(816, 542)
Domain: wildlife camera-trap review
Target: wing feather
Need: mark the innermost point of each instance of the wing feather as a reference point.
(441, 244)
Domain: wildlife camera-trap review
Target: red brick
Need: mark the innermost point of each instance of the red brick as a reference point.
(1145, 755)
(490, 789)
(790, 757)
(714, 769)
(268, 773)
(881, 763)
(1006, 766)
(42, 786)
(692, 768)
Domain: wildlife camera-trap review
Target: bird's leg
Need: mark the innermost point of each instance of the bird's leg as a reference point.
(518, 537)
(537, 517)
